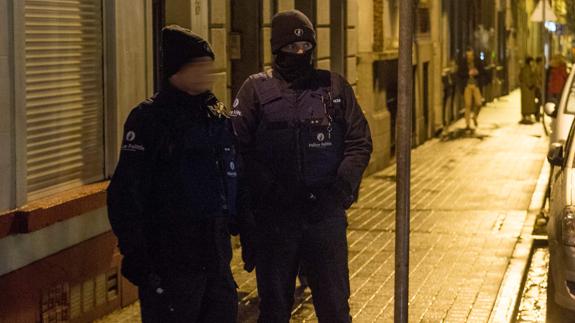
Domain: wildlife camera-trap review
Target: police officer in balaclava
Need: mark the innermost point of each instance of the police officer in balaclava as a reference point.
(173, 192)
(304, 144)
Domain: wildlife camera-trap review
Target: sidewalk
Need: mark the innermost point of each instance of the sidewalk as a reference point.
(470, 196)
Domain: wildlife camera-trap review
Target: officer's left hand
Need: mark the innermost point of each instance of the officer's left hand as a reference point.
(136, 268)
(249, 250)
(248, 239)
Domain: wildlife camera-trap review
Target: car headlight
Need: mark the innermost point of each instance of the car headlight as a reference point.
(568, 227)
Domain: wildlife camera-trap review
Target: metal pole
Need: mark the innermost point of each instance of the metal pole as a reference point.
(403, 144)
(544, 57)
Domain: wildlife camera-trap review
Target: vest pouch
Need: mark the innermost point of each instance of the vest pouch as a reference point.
(321, 142)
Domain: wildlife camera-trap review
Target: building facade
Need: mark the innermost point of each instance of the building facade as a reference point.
(70, 72)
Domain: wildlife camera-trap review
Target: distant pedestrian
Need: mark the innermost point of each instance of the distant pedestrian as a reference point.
(538, 70)
(557, 78)
(528, 84)
(471, 72)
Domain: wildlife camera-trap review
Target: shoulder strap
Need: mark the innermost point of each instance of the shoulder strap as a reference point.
(265, 87)
(337, 103)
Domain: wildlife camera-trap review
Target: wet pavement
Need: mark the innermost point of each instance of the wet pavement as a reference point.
(533, 306)
(470, 197)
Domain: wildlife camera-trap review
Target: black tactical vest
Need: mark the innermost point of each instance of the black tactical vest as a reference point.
(300, 134)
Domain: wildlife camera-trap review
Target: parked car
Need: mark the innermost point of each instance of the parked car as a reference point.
(561, 224)
(562, 113)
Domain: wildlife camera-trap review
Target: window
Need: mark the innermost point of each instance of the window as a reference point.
(423, 22)
(567, 145)
(391, 24)
(570, 105)
(64, 95)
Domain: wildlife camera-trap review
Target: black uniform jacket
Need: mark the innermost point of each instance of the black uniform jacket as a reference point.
(173, 188)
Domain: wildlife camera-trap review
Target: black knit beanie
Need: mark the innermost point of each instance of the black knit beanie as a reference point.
(180, 46)
(289, 27)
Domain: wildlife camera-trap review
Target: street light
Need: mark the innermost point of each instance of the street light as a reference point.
(551, 26)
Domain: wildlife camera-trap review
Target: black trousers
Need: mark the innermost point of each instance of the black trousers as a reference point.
(321, 248)
(198, 297)
(200, 289)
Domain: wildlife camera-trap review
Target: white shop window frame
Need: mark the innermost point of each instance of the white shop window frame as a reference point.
(112, 129)
(19, 138)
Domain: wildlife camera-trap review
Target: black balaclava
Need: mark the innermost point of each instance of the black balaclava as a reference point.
(290, 27)
(293, 66)
(179, 47)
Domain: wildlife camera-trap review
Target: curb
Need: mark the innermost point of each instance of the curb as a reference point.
(509, 296)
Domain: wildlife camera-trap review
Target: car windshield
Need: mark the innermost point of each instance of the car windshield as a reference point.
(569, 143)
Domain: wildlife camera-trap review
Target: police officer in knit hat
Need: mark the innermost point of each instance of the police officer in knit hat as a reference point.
(173, 192)
(304, 144)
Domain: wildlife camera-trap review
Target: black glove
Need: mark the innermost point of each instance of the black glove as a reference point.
(248, 239)
(249, 252)
(136, 268)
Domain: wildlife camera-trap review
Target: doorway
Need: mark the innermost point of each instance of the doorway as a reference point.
(245, 41)
(158, 22)
(338, 35)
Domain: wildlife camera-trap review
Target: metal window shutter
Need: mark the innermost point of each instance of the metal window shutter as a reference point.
(64, 94)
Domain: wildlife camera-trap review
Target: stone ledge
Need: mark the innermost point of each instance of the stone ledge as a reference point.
(47, 211)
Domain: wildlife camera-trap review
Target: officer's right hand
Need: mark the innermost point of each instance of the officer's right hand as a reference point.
(249, 257)
(136, 268)
(249, 248)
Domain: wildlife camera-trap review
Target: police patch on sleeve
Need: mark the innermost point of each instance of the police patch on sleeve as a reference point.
(235, 112)
(130, 136)
(129, 143)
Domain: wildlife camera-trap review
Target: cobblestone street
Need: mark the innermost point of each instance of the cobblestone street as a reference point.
(470, 197)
